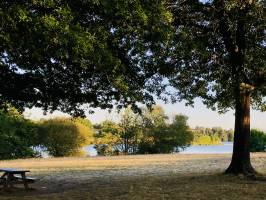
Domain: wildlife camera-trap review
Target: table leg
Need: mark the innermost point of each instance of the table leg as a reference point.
(3, 176)
(4, 180)
(5, 185)
(23, 175)
(9, 180)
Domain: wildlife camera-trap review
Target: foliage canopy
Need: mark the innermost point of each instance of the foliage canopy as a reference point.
(62, 54)
(218, 50)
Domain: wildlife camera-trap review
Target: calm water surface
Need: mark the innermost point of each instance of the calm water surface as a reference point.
(226, 147)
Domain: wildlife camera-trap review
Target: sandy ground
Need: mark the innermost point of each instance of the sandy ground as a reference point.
(135, 177)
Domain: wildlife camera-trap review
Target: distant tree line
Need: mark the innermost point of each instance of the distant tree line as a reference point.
(215, 135)
(147, 133)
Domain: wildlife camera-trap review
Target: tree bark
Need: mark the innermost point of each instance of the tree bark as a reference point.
(240, 163)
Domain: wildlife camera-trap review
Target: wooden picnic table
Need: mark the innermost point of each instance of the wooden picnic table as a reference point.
(14, 176)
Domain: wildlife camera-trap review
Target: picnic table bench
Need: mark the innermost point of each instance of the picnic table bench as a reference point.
(15, 176)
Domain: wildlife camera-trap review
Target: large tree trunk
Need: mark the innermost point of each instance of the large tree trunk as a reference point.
(240, 163)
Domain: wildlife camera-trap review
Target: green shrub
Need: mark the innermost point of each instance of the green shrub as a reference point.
(257, 141)
(64, 136)
(17, 135)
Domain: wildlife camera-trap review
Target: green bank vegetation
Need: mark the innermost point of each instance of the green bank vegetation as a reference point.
(150, 132)
(23, 138)
(212, 136)
(146, 133)
(65, 136)
(257, 141)
(17, 135)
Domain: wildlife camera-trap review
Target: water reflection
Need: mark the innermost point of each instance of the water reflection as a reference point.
(225, 147)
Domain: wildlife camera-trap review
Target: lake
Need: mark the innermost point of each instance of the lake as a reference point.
(226, 147)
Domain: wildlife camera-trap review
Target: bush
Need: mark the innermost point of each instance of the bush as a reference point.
(17, 135)
(257, 141)
(64, 136)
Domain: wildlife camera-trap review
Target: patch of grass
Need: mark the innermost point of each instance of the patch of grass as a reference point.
(156, 177)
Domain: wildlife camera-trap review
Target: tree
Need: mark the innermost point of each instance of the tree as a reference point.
(257, 141)
(217, 54)
(131, 131)
(143, 133)
(84, 122)
(64, 136)
(108, 138)
(180, 135)
(122, 137)
(153, 117)
(230, 135)
(153, 123)
(161, 137)
(62, 54)
(17, 135)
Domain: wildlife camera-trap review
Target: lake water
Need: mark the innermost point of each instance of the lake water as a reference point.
(226, 147)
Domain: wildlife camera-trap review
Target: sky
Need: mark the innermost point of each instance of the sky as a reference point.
(198, 116)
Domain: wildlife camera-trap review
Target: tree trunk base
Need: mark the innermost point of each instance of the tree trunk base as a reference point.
(245, 169)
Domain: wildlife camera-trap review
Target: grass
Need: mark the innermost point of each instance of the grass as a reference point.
(147, 177)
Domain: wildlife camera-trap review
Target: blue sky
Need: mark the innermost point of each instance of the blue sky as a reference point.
(198, 116)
